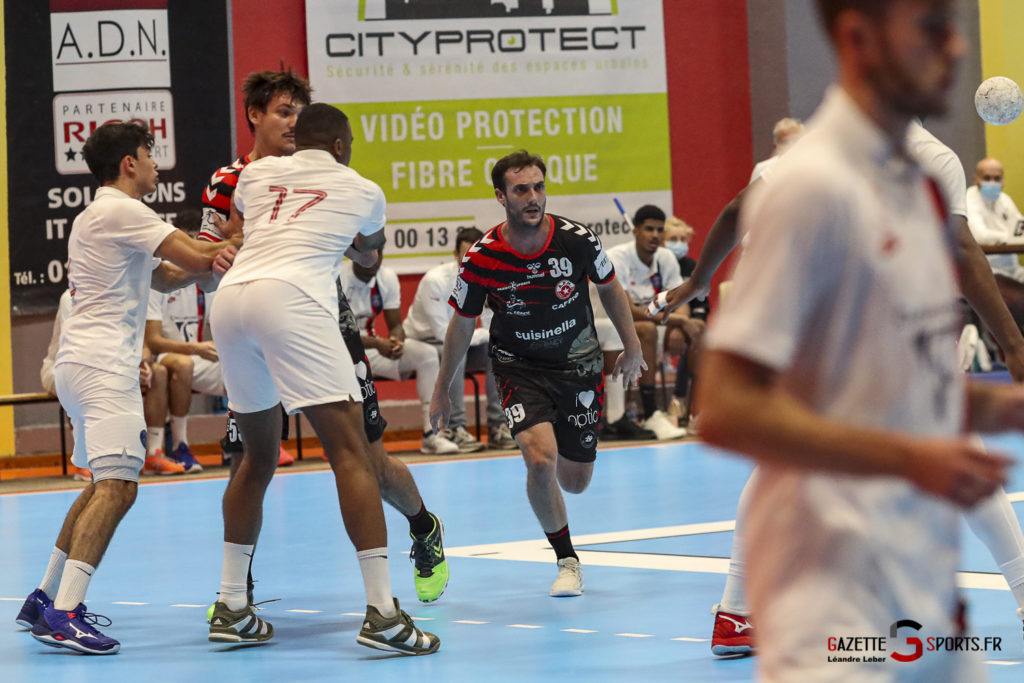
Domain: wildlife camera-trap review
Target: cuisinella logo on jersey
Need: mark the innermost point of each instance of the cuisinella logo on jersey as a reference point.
(904, 644)
(531, 335)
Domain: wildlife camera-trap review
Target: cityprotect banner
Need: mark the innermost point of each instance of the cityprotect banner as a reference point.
(438, 90)
(73, 65)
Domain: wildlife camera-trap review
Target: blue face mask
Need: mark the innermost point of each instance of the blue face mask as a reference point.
(679, 248)
(990, 190)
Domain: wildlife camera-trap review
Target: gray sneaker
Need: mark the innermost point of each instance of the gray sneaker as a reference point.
(436, 444)
(501, 439)
(243, 626)
(463, 439)
(397, 634)
(569, 582)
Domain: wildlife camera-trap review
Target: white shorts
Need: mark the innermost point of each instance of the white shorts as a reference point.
(279, 345)
(105, 410)
(206, 376)
(609, 339)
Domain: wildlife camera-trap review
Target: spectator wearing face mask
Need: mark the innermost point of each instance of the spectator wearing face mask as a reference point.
(994, 219)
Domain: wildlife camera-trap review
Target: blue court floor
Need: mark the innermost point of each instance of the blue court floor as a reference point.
(654, 530)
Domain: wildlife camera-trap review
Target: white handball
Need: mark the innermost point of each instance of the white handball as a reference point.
(999, 101)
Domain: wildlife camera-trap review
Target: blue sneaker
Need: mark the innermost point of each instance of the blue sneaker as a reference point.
(75, 631)
(184, 456)
(36, 602)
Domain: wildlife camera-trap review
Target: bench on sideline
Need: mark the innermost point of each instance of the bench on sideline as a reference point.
(42, 397)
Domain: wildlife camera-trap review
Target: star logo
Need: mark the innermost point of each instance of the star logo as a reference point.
(70, 154)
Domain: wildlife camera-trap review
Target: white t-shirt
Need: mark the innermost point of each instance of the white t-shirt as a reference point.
(942, 164)
(847, 290)
(46, 371)
(179, 312)
(301, 214)
(997, 222)
(110, 267)
(643, 282)
(368, 299)
(429, 313)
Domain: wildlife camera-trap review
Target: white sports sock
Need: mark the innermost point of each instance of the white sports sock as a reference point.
(377, 580)
(154, 440)
(614, 399)
(51, 579)
(994, 522)
(234, 575)
(734, 597)
(179, 430)
(74, 582)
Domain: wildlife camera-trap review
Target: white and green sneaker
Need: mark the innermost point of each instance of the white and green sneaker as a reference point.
(243, 626)
(396, 634)
(431, 572)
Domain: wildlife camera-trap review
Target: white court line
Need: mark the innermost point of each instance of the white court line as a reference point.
(692, 640)
(184, 605)
(578, 630)
(13, 599)
(305, 611)
(524, 626)
(1017, 497)
(539, 550)
(469, 621)
(998, 662)
(635, 635)
(353, 614)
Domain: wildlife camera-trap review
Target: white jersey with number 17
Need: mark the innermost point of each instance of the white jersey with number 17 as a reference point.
(301, 214)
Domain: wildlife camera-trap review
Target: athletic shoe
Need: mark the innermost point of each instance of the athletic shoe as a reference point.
(431, 573)
(625, 428)
(569, 582)
(733, 634)
(435, 444)
(80, 474)
(397, 634)
(284, 458)
(500, 439)
(183, 455)
(74, 631)
(35, 604)
(463, 439)
(243, 626)
(662, 427)
(158, 464)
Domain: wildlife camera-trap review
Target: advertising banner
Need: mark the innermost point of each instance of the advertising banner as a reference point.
(438, 90)
(73, 65)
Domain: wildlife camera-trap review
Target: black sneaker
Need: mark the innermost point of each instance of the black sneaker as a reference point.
(243, 626)
(397, 634)
(431, 573)
(631, 431)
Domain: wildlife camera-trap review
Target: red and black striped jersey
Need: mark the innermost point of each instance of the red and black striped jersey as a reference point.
(217, 197)
(541, 301)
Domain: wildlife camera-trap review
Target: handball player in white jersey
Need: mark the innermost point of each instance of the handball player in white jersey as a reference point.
(848, 395)
(277, 310)
(111, 267)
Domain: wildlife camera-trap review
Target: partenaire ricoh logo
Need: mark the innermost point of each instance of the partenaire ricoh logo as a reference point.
(377, 10)
(904, 644)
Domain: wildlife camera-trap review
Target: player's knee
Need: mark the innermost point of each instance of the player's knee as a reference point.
(573, 483)
(159, 378)
(540, 464)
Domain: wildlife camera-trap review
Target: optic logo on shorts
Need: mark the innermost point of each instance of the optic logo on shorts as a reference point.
(876, 649)
(564, 289)
(374, 416)
(588, 417)
(540, 335)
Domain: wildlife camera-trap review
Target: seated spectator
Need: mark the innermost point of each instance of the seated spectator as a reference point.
(370, 292)
(784, 134)
(152, 382)
(644, 268)
(427, 320)
(677, 240)
(994, 219)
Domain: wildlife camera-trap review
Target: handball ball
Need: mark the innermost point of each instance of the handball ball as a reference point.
(998, 101)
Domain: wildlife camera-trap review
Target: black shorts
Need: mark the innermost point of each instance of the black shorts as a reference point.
(571, 403)
(373, 422)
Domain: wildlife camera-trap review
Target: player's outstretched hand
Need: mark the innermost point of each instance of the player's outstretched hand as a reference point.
(677, 296)
(224, 258)
(440, 410)
(956, 470)
(629, 365)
